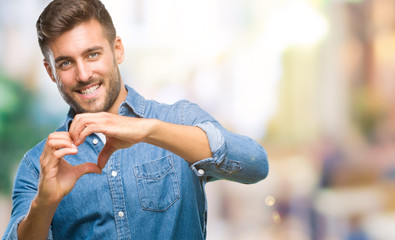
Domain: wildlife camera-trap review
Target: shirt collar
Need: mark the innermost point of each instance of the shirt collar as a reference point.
(133, 100)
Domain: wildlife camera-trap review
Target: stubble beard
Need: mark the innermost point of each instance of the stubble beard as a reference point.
(112, 92)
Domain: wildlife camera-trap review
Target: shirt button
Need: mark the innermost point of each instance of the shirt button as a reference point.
(95, 141)
(121, 214)
(201, 171)
(114, 173)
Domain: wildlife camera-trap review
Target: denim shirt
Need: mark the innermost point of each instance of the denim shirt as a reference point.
(144, 192)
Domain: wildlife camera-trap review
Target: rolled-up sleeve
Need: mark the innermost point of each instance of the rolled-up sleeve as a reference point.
(25, 189)
(235, 157)
(12, 231)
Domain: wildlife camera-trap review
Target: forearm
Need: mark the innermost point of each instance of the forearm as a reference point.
(188, 142)
(228, 156)
(37, 222)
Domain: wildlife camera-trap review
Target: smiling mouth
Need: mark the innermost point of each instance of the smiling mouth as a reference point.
(90, 90)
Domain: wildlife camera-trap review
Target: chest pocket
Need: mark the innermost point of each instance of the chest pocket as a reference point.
(157, 184)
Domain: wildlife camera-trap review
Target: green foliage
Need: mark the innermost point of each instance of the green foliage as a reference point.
(19, 129)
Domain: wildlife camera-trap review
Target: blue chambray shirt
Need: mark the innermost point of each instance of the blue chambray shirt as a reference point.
(144, 192)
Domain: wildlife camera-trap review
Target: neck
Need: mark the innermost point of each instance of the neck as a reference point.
(120, 99)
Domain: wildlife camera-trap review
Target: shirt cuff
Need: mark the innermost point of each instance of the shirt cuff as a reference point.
(217, 147)
(13, 233)
(214, 136)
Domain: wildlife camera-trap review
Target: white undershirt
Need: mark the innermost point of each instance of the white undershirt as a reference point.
(102, 137)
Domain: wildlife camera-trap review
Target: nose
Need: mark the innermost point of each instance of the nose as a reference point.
(83, 71)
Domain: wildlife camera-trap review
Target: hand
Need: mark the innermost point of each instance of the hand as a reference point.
(58, 177)
(121, 132)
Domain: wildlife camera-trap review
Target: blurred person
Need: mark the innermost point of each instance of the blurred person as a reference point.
(150, 161)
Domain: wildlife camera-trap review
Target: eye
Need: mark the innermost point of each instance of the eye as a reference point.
(93, 55)
(64, 64)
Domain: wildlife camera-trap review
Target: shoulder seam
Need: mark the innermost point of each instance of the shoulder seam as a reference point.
(31, 167)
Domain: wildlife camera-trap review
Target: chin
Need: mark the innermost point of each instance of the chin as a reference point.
(80, 109)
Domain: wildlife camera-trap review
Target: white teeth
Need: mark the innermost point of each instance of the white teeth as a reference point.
(90, 90)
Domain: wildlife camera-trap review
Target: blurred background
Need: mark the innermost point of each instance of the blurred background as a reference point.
(312, 81)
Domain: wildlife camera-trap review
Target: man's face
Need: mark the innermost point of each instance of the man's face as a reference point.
(84, 66)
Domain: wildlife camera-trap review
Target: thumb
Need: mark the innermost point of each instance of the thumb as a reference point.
(85, 168)
(105, 154)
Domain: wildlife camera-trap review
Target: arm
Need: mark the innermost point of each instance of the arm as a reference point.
(188, 142)
(25, 188)
(199, 139)
(235, 157)
(37, 222)
(57, 179)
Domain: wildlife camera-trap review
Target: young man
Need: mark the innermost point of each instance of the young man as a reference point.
(151, 160)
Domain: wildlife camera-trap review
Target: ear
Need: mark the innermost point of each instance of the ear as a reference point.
(119, 50)
(49, 70)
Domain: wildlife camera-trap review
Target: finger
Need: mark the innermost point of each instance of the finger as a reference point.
(105, 154)
(86, 131)
(52, 159)
(82, 126)
(57, 138)
(65, 151)
(57, 146)
(60, 143)
(77, 126)
(86, 168)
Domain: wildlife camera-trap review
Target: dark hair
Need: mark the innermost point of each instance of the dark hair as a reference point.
(62, 15)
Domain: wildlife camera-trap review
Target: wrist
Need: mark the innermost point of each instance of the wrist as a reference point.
(38, 220)
(151, 129)
(45, 204)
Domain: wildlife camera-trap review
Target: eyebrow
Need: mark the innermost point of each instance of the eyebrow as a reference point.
(86, 51)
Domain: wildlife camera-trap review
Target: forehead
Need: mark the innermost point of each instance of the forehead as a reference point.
(81, 37)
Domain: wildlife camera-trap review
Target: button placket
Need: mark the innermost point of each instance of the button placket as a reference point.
(118, 197)
(95, 143)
